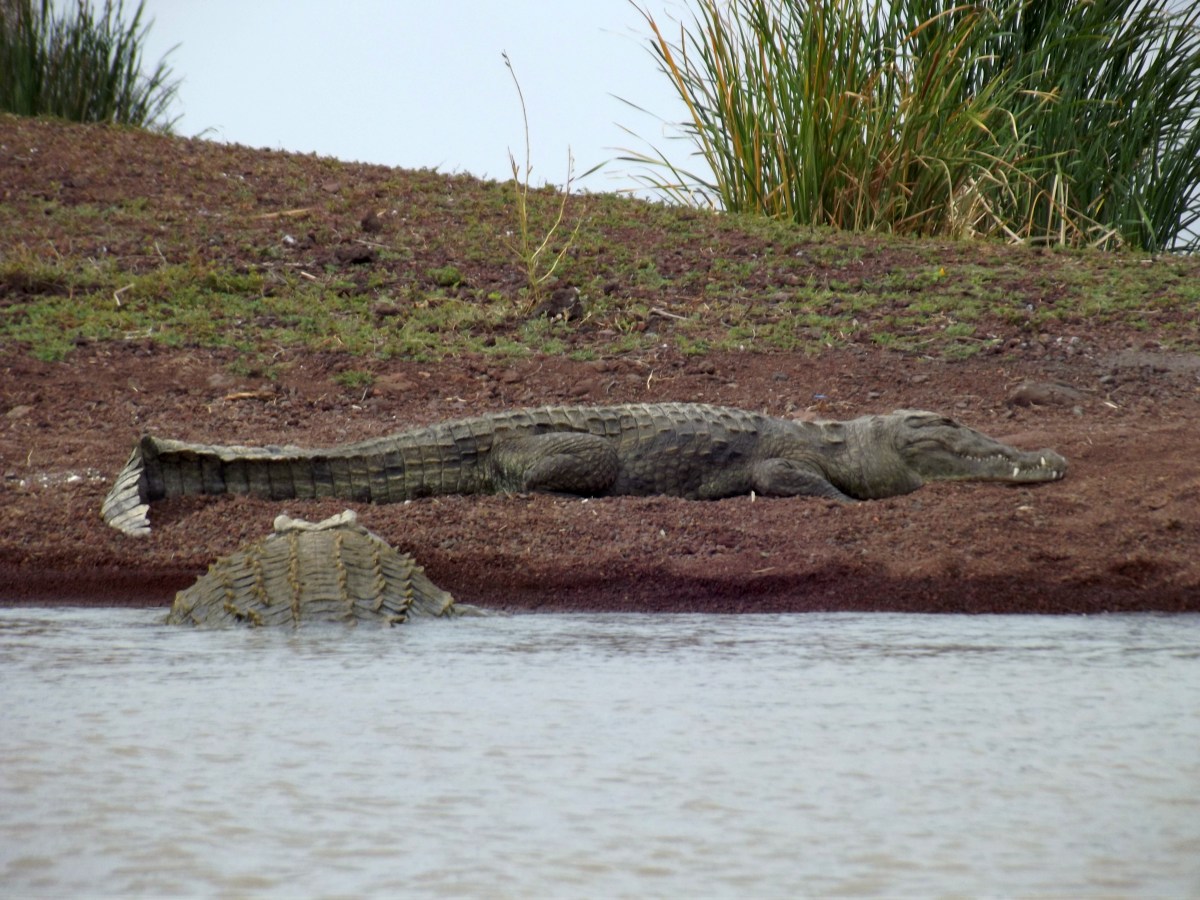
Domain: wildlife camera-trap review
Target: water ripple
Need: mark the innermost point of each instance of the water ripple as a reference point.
(609, 755)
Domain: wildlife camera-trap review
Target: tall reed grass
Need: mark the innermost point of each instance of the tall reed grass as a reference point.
(81, 65)
(1069, 121)
(1108, 96)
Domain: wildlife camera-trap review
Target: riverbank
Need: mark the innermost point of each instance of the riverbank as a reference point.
(1037, 349)
(1118, 534)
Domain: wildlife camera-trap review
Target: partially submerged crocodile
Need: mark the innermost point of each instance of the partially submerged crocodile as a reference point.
(330, 571)
(679, 449)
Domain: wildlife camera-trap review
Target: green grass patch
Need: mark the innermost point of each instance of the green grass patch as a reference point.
(355, 379)
(78, 267)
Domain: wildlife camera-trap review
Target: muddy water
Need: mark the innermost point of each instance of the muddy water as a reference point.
(601, 756)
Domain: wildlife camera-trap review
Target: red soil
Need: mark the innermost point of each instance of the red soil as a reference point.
(1121, 532)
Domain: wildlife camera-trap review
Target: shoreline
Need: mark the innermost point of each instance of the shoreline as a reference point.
(1118, 534)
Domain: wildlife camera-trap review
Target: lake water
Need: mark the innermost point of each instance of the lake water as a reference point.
(601, 755)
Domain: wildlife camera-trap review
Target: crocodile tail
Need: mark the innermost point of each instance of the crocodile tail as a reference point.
(127, 504)
(375, 471)
(160, 468)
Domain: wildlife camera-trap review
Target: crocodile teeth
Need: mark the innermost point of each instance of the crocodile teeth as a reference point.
(1016, 471)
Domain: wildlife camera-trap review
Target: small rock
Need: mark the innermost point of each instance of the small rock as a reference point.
(386, 310)
(354, 254)
(393, 385)
(18, 412)
(371, 223)
(1036, 393)
(564, 304)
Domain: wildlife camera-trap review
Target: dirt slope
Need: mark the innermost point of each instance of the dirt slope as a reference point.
(1121, 532)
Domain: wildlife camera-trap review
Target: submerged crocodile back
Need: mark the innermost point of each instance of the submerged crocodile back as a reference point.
(331, 571)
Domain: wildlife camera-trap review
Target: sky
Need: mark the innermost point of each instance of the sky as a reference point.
(420, 84)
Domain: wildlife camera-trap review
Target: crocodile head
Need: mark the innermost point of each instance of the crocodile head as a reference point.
(936, 448)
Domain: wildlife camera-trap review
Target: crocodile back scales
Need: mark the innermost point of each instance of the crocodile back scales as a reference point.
(443, 458)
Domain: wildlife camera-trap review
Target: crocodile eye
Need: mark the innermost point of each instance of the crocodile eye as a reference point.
(930, 420)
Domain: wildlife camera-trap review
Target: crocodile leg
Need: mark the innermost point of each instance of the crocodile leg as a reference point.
(556, 462)
(789, 478)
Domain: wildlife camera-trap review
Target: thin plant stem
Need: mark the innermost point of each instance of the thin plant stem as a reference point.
(529, 250)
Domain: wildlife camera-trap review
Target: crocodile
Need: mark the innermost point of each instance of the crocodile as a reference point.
(686, 450)
(308, 572)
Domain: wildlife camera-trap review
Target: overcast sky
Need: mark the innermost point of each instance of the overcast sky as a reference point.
(416, 84)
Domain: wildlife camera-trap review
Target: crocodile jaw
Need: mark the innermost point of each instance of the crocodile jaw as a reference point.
(939, 449)
(1009, 465)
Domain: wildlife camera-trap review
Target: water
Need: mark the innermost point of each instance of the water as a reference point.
(609, 755)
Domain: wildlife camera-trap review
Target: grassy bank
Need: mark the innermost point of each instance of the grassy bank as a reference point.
(111, 234)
